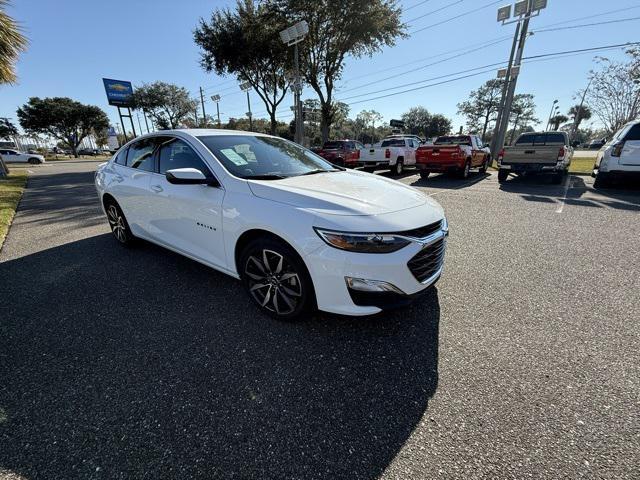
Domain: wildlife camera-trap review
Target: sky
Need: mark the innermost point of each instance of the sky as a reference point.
(75, 43)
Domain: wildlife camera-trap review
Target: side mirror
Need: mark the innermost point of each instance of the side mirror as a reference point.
(189, 176)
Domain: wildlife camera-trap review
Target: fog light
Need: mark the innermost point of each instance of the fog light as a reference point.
(364, 285)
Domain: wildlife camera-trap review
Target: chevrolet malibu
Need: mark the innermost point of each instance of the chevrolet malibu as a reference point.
(299, 232)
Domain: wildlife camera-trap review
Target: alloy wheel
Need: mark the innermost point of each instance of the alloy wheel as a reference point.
(273, 282)
(116, 221)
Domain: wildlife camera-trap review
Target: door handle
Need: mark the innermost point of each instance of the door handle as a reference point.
(156, 188)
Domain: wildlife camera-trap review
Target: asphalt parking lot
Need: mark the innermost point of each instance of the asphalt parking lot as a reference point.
(524, 362)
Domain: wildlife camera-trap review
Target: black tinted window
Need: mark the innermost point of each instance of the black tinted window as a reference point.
(121, 157)
(333, 145)
(393, 143)
(140, 155)
(526, 139)
(557, 138)
(634, 133)
(175, 153)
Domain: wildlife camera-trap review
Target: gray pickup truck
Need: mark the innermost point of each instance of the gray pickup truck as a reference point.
(536, 152)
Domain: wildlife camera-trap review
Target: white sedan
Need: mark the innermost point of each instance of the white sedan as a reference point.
(9, 155)
(298, 232)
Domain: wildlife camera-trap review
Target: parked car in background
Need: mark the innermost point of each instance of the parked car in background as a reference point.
(345, 153)
(395, 153)
(455, 154)
(620, 157)
(596, 144)
(89, 152)
(10, 155)
(541, 152)
(279, 218)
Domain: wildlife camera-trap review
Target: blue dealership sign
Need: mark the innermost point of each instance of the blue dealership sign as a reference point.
(118, 92)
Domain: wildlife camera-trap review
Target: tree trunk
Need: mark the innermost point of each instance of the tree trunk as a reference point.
(484, 129)
(4, 170)
(274, 123)
(513, 132)
(325, 121)
(74, 150)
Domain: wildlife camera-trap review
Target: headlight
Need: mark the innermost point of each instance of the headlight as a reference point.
(363, 242)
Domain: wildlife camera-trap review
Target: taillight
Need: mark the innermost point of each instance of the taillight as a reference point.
(387, 153)
(561, 153)
(617, 149)
(357, 154)
(501, 154)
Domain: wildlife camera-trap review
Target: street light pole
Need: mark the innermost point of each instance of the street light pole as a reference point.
(245, 87)
(553, 105)
(292, 36)
(216, 100)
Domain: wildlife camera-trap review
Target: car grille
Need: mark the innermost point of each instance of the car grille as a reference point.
(423, 232)
(428, 260)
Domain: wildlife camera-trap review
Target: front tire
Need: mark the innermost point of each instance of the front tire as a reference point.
(276, 279)
(503, 175)
(119, 225)
(602, 180)
(35, 161)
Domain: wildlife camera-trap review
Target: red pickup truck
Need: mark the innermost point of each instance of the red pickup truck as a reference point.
(345, 153)
(453, 153)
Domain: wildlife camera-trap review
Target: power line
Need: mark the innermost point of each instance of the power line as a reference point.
(620, 20)
(448, 5)
(415, 5)
(584, 50)
(457, 16)
(599, 14)
(466, 52)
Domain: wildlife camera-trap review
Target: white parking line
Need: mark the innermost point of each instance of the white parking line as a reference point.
(567, 184)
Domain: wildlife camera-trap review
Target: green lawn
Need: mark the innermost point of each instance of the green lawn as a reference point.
(11, 189)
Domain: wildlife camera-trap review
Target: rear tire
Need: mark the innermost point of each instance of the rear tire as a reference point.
(485, 165)
(602, 180)
(464, 173)
(558, 178)
(119, 225)
(424, 174)
(276, 279)
(503, 175)
(398, 169)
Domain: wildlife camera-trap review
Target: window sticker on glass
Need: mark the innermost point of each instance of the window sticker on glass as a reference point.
(233, 156)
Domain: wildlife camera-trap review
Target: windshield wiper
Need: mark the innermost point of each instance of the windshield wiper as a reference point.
(270, 176)
(313, 172)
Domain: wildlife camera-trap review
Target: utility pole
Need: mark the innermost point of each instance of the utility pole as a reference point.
(204, 115)
(576, 120)
(216, 100)
(524, 10)
(553, 106)
(505, 86)
(292, 36)
(245, 87)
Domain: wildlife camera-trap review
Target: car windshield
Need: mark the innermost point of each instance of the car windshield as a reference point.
(452, 141)
(267, 158)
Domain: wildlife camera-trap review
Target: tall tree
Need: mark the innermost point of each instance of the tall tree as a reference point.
(584, 114)
(167, 104)
(416, 120)
(337, 29)
(558, 120)
(614, 95)
(438, 125)
(62, 118)
(523, 112)
(12, 43)
(481, 109)
(246, 43)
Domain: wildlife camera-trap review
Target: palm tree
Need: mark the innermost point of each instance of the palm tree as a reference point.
(12, 43)
(557, 121)
(585, 113)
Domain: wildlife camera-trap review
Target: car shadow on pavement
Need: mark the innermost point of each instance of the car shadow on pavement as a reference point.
(131, 363)
(448, 181)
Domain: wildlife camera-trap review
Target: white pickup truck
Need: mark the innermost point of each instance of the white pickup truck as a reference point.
(394, 152)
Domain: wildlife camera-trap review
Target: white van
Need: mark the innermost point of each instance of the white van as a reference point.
(620, 157)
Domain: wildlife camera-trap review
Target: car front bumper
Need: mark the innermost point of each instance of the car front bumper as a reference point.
(330, 268)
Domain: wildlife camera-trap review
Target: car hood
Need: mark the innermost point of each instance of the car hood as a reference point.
(341, 193)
